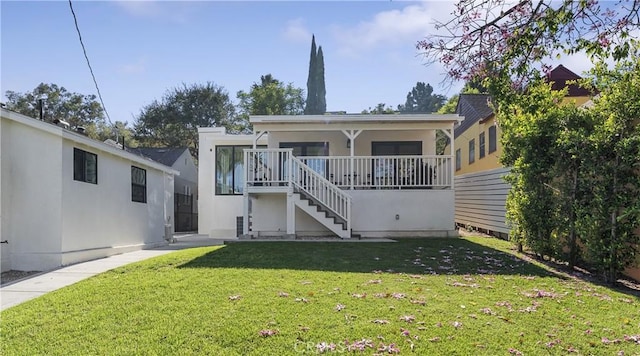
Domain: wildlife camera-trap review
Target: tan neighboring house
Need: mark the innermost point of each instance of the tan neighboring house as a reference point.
(329, 175)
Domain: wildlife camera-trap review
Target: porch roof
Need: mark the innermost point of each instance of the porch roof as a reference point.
(353, 122)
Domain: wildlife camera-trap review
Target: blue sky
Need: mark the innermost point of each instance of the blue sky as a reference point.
(139, 49)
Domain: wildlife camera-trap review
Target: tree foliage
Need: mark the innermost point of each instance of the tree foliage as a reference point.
(271, 97)
(380, 108)
(575, 171)
(74, 108)
(174, 120)
(421, 99)
(316, 103)
(575, 179)
(498, 37)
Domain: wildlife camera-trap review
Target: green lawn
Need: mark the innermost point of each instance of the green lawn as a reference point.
(427, 296)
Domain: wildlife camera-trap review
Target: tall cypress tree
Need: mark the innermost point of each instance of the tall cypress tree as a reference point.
(321, 90)
(312, 93)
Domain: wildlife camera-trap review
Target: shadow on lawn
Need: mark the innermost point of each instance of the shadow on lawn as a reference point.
(419, 256)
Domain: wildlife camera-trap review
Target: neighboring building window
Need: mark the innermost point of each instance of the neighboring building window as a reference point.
(472, 151)
(481, 145)
(229, 169)
(138, 185)
(492, 138)
(85, 166)
(458, 159)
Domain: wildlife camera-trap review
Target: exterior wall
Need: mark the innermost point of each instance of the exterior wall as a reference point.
(52, 220)
(490, 160)
(188, 176)
(31, 196)
(338, 141)
(5, 256)
(420, 213)
(480, 200)
(269, 217)
(217, 213)
(98, 219)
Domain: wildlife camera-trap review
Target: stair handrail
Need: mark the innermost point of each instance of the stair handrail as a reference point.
(321, 189)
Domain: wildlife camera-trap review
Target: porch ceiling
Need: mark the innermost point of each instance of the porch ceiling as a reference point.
(354, 122)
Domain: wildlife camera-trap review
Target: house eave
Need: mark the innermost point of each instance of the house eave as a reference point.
(354, 122)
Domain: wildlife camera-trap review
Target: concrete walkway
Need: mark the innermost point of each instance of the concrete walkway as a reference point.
(37, 285)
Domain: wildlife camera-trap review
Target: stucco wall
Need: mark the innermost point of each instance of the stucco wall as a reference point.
(269, 217)
(217, 213)
(5, 256)
(31, 196)
(188, 176)
(338, 141)
(52, 220)
(420, 212)
(98, 216)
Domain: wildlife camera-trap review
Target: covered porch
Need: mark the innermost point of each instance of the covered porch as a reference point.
(343, 166)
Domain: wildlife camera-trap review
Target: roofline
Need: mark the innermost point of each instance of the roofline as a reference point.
(82, 139)
(355, 118)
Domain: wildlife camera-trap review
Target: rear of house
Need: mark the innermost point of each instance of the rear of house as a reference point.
(67, 198)
(334, 175)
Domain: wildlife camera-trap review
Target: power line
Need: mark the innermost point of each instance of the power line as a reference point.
(75, 20)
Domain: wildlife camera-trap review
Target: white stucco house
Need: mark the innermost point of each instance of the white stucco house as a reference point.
(339, 175)
(185, 185)
(66, 198)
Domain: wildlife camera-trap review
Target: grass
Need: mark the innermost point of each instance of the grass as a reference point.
(431, 296)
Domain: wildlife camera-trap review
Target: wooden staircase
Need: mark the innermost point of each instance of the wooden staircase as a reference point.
(320, 213)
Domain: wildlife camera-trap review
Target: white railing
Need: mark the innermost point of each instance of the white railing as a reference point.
(317, 187)
(373, 172)
(267, 166)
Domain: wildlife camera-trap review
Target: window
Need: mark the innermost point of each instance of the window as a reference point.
(458, 159)
(481, 145)
(492, 138)
(138, 185)
(472, 151)
(230, 170)
(85, 166)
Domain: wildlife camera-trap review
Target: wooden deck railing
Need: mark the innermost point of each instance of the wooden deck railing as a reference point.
(374, 172)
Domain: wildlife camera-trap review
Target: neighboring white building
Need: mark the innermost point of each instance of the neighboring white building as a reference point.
(185, 185)
(340, 175)
(67, 198)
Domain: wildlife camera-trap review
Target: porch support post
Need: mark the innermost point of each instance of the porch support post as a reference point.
(245, 193)
(245, 214)
(452, 150)
(291, 214)
(351, 136)
(256, 136)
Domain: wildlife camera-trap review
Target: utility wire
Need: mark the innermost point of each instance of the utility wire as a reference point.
(75, 20)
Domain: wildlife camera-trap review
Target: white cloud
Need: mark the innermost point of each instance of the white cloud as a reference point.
(406, 25)
(137, 67)
(144, 8)
(171, 11)
(295, 31)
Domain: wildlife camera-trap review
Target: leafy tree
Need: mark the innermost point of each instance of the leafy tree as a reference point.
(381, 108)
(422, 100)
(271, 97)
(485, 39)
(316, 92)
(174, 120)
(76, 109)
(612, 210)
(450, 106)
(118, 131)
